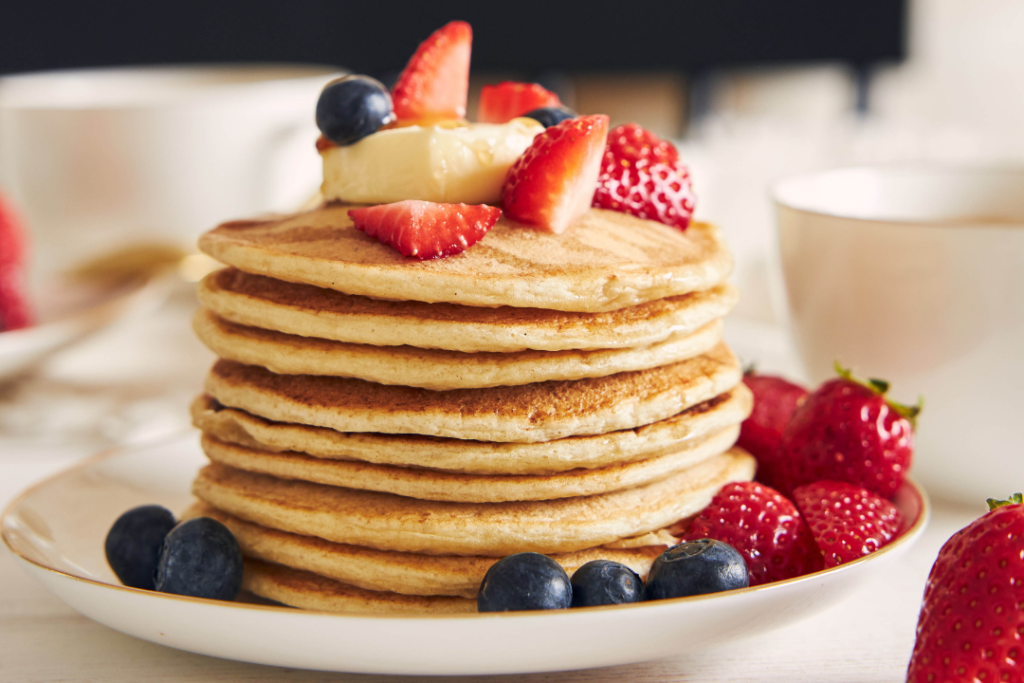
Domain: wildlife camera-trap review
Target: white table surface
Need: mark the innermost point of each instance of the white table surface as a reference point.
(134, 382)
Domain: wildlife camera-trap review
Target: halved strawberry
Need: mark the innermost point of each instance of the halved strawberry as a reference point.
(553, 182)
(435, 82)
(426, 230)
(503, 102)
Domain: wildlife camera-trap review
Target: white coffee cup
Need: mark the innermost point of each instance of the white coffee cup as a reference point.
(99, 160)
(915, 274)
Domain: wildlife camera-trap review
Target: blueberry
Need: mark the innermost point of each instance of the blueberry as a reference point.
(550, 116)
(200, 558)
(603, 582)
(351, 108)
(522, 582)
(695, 568)
(133, 544)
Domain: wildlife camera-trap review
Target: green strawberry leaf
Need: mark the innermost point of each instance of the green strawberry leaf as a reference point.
(1015, 499)
(881, 387)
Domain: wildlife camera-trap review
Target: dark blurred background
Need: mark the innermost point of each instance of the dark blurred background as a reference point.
(667, 47)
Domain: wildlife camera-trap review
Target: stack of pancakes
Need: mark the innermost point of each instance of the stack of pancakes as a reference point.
(382, 430)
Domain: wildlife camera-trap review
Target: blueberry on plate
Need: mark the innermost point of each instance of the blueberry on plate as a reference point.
(200, 558)
(603, 582)
(351, 108)
(133, 544)
(524, 581)
(695, 568)
(549, 116)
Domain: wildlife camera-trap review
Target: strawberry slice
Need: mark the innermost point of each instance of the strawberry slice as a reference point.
(553, 182)
(847, 521)
(503, 102)
(426, 230)
(435, 82)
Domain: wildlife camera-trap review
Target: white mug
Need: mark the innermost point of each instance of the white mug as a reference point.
(915, 274)
(106, 159)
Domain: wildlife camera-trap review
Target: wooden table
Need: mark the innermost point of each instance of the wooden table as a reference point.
(865, 639)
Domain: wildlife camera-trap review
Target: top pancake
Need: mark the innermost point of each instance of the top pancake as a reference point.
(605, 261)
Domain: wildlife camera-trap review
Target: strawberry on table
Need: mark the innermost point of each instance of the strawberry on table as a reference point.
(764, 526)
(15, 310)
(503, 102)
(552, 183)
(971, 626)
(846, 430)
(847, 521)
(641, 175)
(426, 230)
(775, 399)
(435, 82)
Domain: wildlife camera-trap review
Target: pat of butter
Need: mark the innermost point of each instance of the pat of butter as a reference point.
(436, 164)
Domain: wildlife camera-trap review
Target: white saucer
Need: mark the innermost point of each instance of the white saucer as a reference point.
(57, 530)
(68, 312)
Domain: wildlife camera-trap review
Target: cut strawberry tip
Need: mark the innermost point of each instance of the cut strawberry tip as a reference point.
(1015, 499)
(881, 387)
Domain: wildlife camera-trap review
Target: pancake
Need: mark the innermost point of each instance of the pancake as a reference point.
(380, 570)
(476, 457)
(542, 411)
(605, 261)
(435, 369)
(469, 488)
(314, 592)
(388, 522)
(308, 311)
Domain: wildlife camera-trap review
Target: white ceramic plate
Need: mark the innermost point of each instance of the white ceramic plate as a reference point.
(68, 312)
(57, 530)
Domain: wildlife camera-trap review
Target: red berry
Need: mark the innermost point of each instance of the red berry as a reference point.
(847, 522)
(435, 82)
(424, 229)
(971, 626)
(847, 431)
(552, 183)
(507, 100)
(15, 310)
(764, 527)
(641, 175)
(775, 399)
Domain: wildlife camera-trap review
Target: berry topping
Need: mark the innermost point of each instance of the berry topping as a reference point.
(134, 542)
(200, 558)
(971, 626)
(696, 568)
(15, 311)
(507, 100)
(641, 175)
(846, 521)
(764, 527)
(435, 82)
(552, 183)
(426, 230)
(775, 399)
(551, 116)
(524, 581)
(603, 582)
(846, 431)
(351, 108)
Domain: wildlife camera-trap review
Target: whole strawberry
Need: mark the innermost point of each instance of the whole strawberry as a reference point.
(847, 431)
(764, 527)
(15, 311)
(641, 175)
(971, 626)
(847, 521)
(775, 399)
